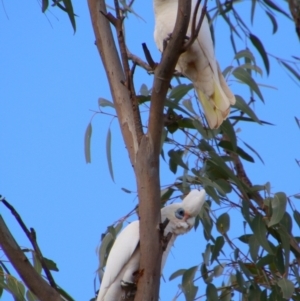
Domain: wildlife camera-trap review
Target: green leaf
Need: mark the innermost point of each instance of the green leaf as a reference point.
(218, 270)
(87, 143)
(226, 294)
(259, 229)
(253, 248)
(245, 211)
(276, 7)
(228, 129)
(211, 292)
(16, 287)
(245, 53)
(102, 102)
(242, 118)
(176, 156)
(165, 194)
(287, 288)
(287, 222)
(104, 251)
(246, 78)
(179, 91)
(278, 208)
(296, 215)
(45, 4)
(64, 294)
(188, 287)
(291, 69)
(253, 10)
(273, 20)
(69, 9)
(266, 260)
(207, 224)
(239, 151)
(217, 248)
(261, 49)
(108, 154)
(187, 103)
(244, 269)
(254, 293)
(177, 273)
(285, 245)
(204, 273)
(278, 260)
(242, 105)
(36, 263)
(245, 238)
(206, 133)
(240, 280)
(144, 90)
(264, 295)
(31, 296)
(51, 265)
(223, 223)
(206, 254)
(255, 152)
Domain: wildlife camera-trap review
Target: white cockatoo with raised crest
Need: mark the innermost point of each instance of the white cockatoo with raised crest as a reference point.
(123, 261)
(197, 63)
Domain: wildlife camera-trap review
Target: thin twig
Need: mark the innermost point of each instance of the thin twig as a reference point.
(128, 80)
(138, 61)
(148, 56)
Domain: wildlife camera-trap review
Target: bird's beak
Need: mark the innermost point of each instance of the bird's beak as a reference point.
(186, 217)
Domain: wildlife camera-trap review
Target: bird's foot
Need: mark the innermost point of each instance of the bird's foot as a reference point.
(166, 41)
(129, 290)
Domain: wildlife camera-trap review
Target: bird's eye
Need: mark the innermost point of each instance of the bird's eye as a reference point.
(179, 213)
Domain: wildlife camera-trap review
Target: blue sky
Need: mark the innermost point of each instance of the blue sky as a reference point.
(51, 80)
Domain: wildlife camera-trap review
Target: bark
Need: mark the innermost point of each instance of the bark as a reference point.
(143, 149)
(29, 275)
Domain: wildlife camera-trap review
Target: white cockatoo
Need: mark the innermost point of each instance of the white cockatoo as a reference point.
(124, 257)
(198, 63)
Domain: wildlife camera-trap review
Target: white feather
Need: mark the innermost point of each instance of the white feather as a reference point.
(198, 63)
(124, 257)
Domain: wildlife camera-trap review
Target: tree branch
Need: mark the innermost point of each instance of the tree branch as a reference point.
(31, 235)
(112, 64)
(29, 275)
(147, 166)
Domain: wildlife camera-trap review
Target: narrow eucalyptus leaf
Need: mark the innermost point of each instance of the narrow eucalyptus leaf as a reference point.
(259, 229)
(217, 248)
(253, 247)
(102, 102)
(211, 292)
(261, 49)
(246, 78)
(177, 273)
(87, 143)
(223, 223)
(278, 208)
(108, 154)
(296, 215)
(287, 288)
(188, 287)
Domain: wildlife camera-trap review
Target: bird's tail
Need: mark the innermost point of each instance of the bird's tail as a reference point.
(217, 105)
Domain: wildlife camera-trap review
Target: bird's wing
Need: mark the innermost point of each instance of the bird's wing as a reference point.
(206, 44)
(119, 255)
